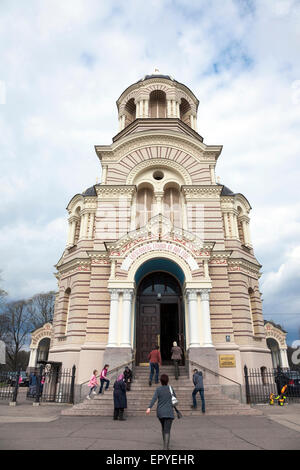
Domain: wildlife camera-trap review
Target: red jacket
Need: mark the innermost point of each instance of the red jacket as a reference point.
(155, 356)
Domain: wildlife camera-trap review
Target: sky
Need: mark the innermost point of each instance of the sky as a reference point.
(63, 65)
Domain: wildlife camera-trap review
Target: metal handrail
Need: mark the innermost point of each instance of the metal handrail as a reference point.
(120, 366)
(217, 374)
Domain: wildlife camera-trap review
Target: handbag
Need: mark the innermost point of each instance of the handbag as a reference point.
(173, 398)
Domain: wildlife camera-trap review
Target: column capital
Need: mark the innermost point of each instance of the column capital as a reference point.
(191, 294)
(114, 294)
(127, 293)
(204, 294)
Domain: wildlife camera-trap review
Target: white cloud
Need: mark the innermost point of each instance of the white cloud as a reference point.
(64, 64)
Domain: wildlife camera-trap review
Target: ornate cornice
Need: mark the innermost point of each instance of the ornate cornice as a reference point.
(201, 192)
(75, 265)
(108, 191)
(240, 264)
(168, 138)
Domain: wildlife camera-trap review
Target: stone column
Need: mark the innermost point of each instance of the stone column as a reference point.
(91, 226)
(126, 323)
(72, 228)
(158, 202)
(169, 108)
(147, 108)
(212, 174)
(206, 317)
(248, 233)
(133, 213)
(193, 318)
(205, 268)
(283, 358)
(226, 225)
(32, 359)
(184, 212)
(104, 174)
(113, 319)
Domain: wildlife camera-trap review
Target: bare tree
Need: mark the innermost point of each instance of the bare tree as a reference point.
(3, 318)
(41, 308)
(17, 331)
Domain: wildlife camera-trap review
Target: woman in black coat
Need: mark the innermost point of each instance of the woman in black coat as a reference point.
(120, 400)
(165, 411)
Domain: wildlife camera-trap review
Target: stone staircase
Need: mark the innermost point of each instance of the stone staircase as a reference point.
(139, 397)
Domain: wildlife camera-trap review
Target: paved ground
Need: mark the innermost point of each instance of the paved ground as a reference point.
(43, 428)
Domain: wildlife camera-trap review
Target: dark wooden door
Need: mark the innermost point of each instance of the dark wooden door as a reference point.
(148, 330)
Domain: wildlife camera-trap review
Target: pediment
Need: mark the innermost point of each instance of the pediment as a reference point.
(159, 228)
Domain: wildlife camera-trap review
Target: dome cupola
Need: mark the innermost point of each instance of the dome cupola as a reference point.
(157, 96)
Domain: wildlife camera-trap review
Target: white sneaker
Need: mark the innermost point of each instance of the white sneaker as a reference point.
(88, 397)
(94, 393)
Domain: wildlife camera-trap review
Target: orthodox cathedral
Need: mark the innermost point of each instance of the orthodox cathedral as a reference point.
(159, 251)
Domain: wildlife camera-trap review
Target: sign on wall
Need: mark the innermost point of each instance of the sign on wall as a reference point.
(227, 360)
(159, 246)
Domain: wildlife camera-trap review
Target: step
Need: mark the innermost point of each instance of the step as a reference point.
(211, 412)
(140, 395)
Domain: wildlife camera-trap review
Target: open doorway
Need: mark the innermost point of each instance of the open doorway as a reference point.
(169, 330)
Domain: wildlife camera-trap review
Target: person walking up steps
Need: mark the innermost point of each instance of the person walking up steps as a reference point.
(165, 412)
(155, 361)
(93, 384)
(103, 378)
(199, 387)
(176, 358)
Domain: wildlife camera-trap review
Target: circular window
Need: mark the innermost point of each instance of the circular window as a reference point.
(158, 175)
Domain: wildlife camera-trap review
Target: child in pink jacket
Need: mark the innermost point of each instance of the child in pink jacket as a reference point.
(93, 384)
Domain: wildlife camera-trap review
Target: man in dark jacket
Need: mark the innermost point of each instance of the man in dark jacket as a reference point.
(199, 387)
(127, 378)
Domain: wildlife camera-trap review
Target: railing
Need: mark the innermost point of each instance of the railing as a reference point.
(9, 385)
(216, 374)
(115, 372)
(52, 385)
(260, 383)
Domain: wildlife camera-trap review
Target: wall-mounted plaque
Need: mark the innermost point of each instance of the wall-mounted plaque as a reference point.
(227, 360)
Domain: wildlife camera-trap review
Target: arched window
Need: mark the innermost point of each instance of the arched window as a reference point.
(158, 104)
(130, 112)
(144, 201)
(172, 209)
(185, 112)
(67, 299)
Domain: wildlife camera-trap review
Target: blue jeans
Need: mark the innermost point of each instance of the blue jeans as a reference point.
(154, 365)
(201, 391)
(102, 381)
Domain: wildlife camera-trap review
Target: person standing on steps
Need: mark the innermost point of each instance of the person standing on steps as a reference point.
(127, 377)
(198, 387)
(120, 400)
(155, 361)
(176, 358)
(103, 378)
(165, 412)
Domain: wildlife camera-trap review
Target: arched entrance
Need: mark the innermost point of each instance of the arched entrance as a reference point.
(159, 309)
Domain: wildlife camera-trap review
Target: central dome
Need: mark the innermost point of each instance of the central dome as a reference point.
(157, 96)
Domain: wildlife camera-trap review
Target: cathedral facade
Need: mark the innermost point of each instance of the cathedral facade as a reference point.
(159, 251)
